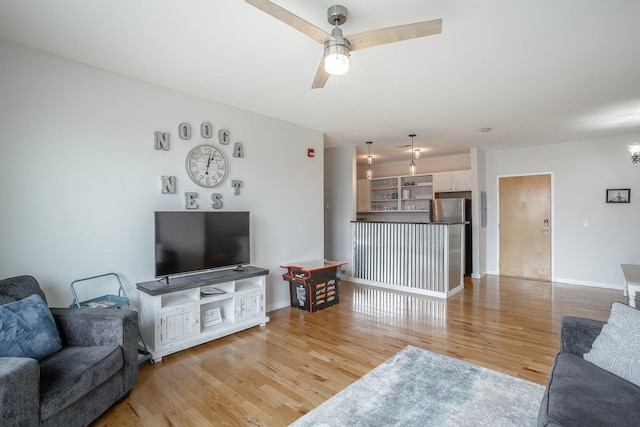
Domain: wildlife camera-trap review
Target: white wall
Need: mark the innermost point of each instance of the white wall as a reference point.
(423, 165)
(340, 203)
(582, 171)
(80, 180)
(478, 175)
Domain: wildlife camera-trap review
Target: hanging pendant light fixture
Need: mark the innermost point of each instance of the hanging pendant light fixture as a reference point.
(369, 161)
(412, 165)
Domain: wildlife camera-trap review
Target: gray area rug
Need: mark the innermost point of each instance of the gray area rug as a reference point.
(419, 388)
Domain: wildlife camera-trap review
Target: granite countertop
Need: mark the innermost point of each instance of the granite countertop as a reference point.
(412, 222)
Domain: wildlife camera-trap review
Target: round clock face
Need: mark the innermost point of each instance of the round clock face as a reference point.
(206, 166)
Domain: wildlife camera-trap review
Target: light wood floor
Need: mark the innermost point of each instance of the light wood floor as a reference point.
(270, 376)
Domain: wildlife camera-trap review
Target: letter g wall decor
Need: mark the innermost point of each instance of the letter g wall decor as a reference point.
(206, 164)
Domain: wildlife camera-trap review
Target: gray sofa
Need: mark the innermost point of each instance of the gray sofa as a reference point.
(97, 366)
(581, 394)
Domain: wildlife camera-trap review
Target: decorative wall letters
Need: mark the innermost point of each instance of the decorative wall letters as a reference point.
(217, 200)
(206, 130)
(184, 131)
(168, 182)
(224, 137)
(236, 184)
(190, 200)
(161, 141)
(168, 185)
(237, 150)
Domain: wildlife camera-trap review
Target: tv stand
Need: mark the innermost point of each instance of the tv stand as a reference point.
(239, 268)
(191, 310)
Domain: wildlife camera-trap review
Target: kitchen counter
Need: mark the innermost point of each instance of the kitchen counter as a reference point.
(423, 258)
(411, 222)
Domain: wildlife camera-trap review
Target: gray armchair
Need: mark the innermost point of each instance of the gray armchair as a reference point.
(580, 393)
(96, 368)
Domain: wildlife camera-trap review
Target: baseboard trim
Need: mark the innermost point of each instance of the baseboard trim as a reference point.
(278, 305)
(399, 288)
(589, 284)
(578, 282)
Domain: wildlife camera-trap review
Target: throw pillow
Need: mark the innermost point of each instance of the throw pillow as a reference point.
(27, 329)
(617, 348)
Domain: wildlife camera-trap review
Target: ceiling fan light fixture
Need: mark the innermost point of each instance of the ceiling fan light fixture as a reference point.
(336, 58)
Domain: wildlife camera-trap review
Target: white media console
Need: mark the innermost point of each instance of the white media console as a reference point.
(195, 309)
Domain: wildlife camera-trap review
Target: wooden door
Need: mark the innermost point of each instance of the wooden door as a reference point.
(525, 226)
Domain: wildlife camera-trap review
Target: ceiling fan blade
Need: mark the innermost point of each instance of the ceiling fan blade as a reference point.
(291, 20)
(321, 76)
(394, 34)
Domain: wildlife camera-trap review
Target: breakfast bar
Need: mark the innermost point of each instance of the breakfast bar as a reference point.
(423, 258)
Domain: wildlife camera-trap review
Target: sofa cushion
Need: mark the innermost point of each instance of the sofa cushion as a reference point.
(27, 329)
(19, 287)
(579, 394)
(617, 348)
(71, 373)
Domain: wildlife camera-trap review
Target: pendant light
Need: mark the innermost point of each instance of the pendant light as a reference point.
(369, 161)
(412, 165)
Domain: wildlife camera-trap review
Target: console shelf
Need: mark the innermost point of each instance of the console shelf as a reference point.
(186, 312)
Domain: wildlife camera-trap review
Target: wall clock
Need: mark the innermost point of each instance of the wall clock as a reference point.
(206, 166)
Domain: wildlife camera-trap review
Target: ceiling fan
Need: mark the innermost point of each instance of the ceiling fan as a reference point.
(337, 48)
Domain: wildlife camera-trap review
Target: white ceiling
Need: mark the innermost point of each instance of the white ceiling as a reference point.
(535, 71)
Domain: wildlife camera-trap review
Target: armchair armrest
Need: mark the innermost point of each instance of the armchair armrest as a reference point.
(577, 334)
(98, 326)
(19, 391)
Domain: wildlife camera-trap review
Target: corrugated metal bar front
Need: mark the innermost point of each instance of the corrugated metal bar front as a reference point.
(405, 254)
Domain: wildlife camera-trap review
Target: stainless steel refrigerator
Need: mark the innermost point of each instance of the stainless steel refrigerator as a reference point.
(450, 210)
(456, 210)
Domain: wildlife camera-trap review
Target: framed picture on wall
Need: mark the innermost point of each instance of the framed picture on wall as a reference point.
(618, 195)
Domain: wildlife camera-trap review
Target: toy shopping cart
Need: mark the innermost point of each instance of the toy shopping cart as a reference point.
(117, 299)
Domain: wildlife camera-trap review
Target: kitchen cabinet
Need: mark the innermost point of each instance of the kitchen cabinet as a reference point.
(416, 193)
(452, 181)
(401, 193)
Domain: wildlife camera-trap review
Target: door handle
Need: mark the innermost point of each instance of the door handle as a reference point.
(545, 227)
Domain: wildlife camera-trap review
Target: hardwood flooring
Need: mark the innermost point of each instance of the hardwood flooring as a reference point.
(272, 375)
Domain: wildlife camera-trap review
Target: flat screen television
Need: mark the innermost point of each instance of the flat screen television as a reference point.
(194, 241)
